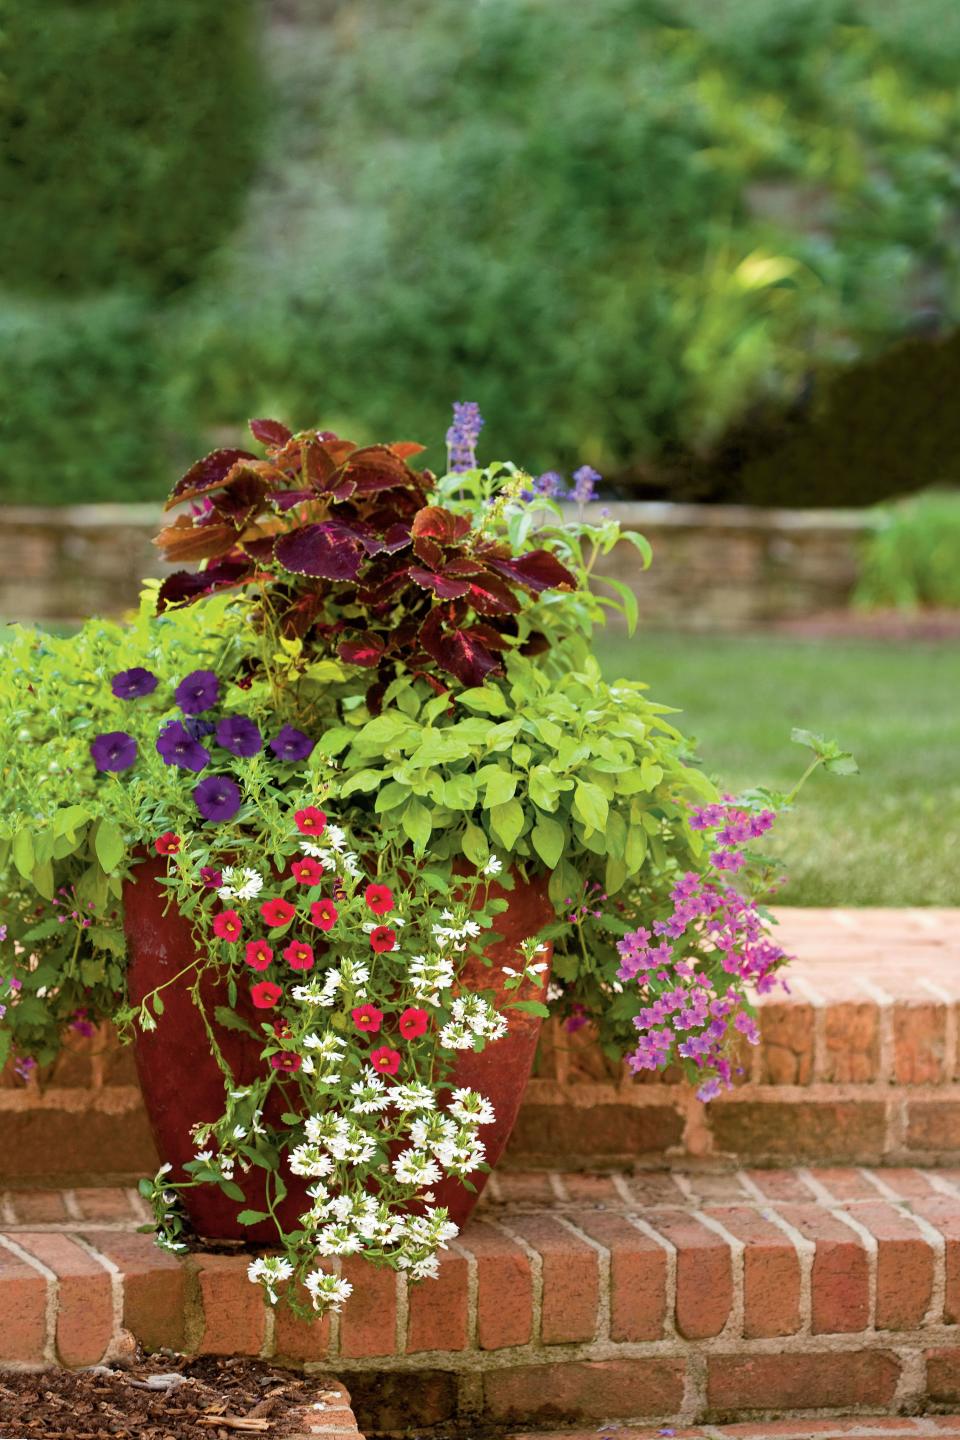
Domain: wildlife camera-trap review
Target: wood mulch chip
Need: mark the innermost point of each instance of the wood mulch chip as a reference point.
(165, 1398)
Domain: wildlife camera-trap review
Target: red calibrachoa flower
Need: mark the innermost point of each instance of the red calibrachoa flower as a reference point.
(282, 1030)
(227, 926)
(323, 913)
(311, 821)
(385, 1061)
(307, 871)
(258, 954)
(413, 1023)
(379, 899)
(167, 843)
(383, 939)
(277, 913)
(287, 1061)
(367, 1018)
(265, 995)
(299, 955)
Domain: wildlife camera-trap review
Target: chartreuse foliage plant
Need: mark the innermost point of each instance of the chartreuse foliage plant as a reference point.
(371, 713)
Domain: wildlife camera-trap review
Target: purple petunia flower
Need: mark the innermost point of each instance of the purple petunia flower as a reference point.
(463, 435)
(197, 692)
(177, 747)
(291, 744)
(218, 797)
(198, 729)
(114, 751)
(550, 484)
(131, 684)
(239, 735)
(585, 482)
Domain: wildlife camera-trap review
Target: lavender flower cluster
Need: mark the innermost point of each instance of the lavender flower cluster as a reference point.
(697, 1010)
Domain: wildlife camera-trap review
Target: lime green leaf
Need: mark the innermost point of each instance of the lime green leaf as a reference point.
(252, 1217)
(362, 780)
(565, 883)
(68, 820)
(335, 740)
(485, 698)
(460, 792)
(530, 1007)
(417, 824)
(23, 856)
(501, 785)
(108, 843)
(548, 840)
(506, 822)
(325, 670)
(635, 850)
(391, 795)
(232, 1189)
(474, 846)
(590, 804)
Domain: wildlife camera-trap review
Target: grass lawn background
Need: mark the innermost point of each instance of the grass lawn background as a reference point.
(888, 836)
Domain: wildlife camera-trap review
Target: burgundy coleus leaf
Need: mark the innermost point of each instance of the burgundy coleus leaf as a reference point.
(428, 552)
(440, 524)
(537, 570)
(269, 432)
(489, 595)
(460, 654)
(442, 585)
(286, 499)
(406, 449)
(487, 635)
(186, 586)
(366, 650)
(321, 550)
(535, 644)
(242, 496)
(319, 468)
(377, 468)
(206, 474)
(396, 538)
(187, 540)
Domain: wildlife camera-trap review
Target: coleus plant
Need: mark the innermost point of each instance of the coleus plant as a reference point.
(355, 555)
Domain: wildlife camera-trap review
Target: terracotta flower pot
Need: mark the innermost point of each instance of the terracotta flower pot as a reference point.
(182, 1083)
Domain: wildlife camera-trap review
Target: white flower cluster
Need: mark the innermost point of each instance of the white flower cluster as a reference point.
(334, 853)
(240, 884)
(350, 978)
(471, 1019)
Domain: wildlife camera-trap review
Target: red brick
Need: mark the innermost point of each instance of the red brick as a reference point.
(654, 1187)
(571, 1279)
(523, 1187)
(919, 1040)
(437, 1310)
(852, 1042)
(68, 1146)
(802, 1382)
(23, 1307)
(943, 1375)
(904, 1266)
(604, 1133)
(84, 1296)
(234, 1316)
(844, 1184)
(368, 1321)
(933, 1126)
(638, 1275)
(781, 1185)
(907, 1183)
(704, 1274)
(154, 1287)
(38, 1207)
(504, 1288)
(786, 1043)
(798, 1130)
(771, 1273)
(104, 1203)
(584, 1390)
(840, 1278)
(591, 1190)
(720, 1189)
(944, 1213)
(301, 1340)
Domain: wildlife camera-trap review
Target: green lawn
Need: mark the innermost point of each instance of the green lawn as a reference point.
(885, 837)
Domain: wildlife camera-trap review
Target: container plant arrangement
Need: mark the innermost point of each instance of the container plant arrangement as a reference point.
(337, 819)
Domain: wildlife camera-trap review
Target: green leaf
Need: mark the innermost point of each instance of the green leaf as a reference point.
(501, 785)
(325, 671)
(391, 795)
(548, 840)
(417, 824)
(252, 1217)
(485, 698)
(361, 780)
(590, 804)
(232, 1189)
(68, 820)
(23, 856)
(842, 765)
(460, 792)
(544, 788)
(108, 843)
(335, 740)
(635, 849)
(614, 875)
(230, 1020)
(474, 845)
(506, 822)
(43, 879)
(566, 883)
(530, 1007)
(641, 543)
(386, 730)
(628, 601)
(650, 773)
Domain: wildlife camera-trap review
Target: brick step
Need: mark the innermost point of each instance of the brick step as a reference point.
(859, 1063)
(861, 1427)
(662, 1298)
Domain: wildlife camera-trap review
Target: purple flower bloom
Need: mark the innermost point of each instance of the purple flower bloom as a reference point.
(463, 435)
(131, 684)
(3, 932)
(584, 484)
(211, 878)
(177, 746)
(239, 735)
(218, 797)
(82, 1024)
(550, 484)
(197, 692)
(198, 729)
(25, 1066)
(291, 744)
(114, 751)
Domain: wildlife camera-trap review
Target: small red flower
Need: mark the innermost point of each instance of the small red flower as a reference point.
(367, 1018)
(385, 1061)
(265, 995)
(307, 871)
(281, 1029)
(379, 899)
(413, 1023)
(258, 954)
(299, 955)
(383, 939)
(287, 1061)
(167, 843)
(227, 926)
(323, 913)
(311, 821)
(277, 912)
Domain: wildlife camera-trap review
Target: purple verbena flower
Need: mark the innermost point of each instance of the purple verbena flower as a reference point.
(131, 684)
(549, 485)
(177, 747)
(114, 751)
(197, 692)
(218, 797)
(585, 482)
(463, 435)
(239, 735)
(291, 744)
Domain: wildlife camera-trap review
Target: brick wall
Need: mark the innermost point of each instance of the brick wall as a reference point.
(715, 567)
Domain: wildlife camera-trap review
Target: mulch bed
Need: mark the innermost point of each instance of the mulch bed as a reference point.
(203, 1399)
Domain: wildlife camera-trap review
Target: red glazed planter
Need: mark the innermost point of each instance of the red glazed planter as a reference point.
(182, 1083)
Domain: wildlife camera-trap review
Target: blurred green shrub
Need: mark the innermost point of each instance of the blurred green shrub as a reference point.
(913, 557)
(126, 138)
